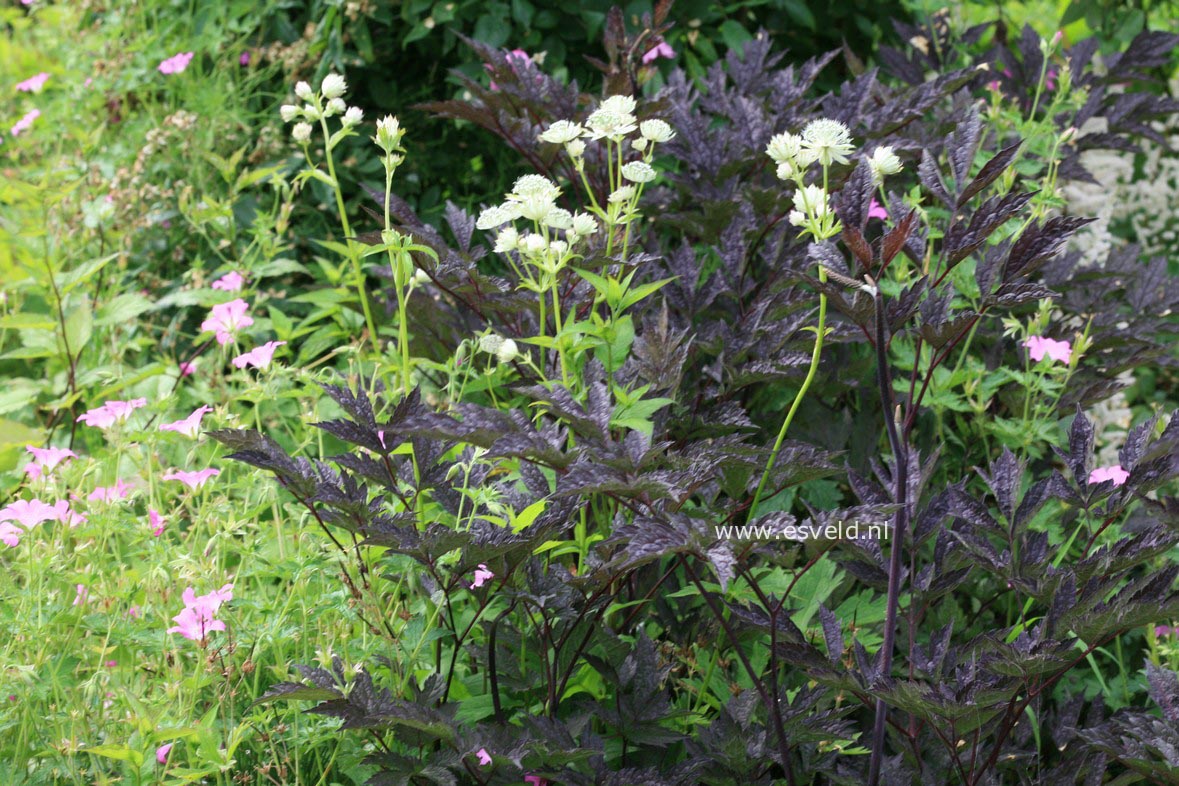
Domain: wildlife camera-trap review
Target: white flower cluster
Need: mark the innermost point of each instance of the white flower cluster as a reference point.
(811, 203)
(504, 349)
(613, 120)
(534, 197)
(825, 141)
(328, 102)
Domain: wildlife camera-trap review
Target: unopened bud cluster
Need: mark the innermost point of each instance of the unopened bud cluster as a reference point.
(317, 106)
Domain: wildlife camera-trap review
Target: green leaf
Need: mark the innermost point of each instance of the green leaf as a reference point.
(119, 752)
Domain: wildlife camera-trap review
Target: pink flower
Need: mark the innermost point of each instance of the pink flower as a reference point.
(110, 493)
(176, 63)
(133, 612)
(33, 84)
(162, 753)
(156, 521)
(482, 574)
(484, 757)
(516, 55)
(26, 122)
(226, 319)
(110, 664)
(535, 780)
(65, 515)
(258, 357)
(230, 282)
(194, 480)
(1050, 79)
(876, 210)
(187, 369)
(662, 49)
(81, 596)
(111, 412)
(244, 59)
(198, 617)
(28, 513)
(993, 85)
(1165, 630)
(1038, 347)
(10, 534)
(1114, 473)
(190, 426)
(49, 458)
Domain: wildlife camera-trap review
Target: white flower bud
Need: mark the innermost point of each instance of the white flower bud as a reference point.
(639, 144)
(303, 91)
(883, 162)
(558, 247)
(389, 133)
(533, 244)
(289, 112)
(638, 172)
(353, 116)
(335, 107)
(558, 218)
(657, 131)
(507, 240)
(490, 344)
(311, 112)
(576, 148)
(333, 86)
(621, 194)
(301, 133)
(507, 351)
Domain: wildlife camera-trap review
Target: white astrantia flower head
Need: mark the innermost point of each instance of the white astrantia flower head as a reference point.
(507, 240)
(640, 144)
(621, 104)
(491, 343)
(535, 207)
(811, 200)
(389, 133)
(788, 170)
(562, 132)
(884, 162)
(584, 224)
(353, 116)
(559, 218)
(784, 148)
(492, 217)
(828, 141)
(534, 186)
(657, 131)
(289, 112)
(301, 133)
(533, 244)
(311, 112)
(335, 107)
(507, 351)
(303, 91)
(638, 172)
(797, 218)
(558, 247)
(576, 148)
(333, 86)
(621, 194)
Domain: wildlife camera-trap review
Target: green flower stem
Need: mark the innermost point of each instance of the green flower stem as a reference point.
(357, 271)
(806, 383)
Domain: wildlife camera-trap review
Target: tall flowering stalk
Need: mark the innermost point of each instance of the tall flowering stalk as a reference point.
(825, 142)
(320, 105)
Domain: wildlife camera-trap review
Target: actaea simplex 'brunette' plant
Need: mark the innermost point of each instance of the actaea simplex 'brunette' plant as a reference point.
(558, 533)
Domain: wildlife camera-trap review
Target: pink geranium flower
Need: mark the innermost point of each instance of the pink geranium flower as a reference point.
(10, 534)
(483, 756)
(535, 780)
(81, 595)
(194, 480)
(187, 369)
(1166, 630)
(176, 63)
(189, 426)
(244, 58)
(111, 412)
(230, 282)
(156, 521)
(1039, 347)
(199, 615)
(110, 493)
(226, 319)
(33, 84)
(46, 459)
(66, 515)
(876, 210)
(662, 49)
(162, 753)
(482, 574)
(28, 513)
(258, 357)
(1114, 473)
(26, 122)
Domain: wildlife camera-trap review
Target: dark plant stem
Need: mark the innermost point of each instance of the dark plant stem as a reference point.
(899, 528)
